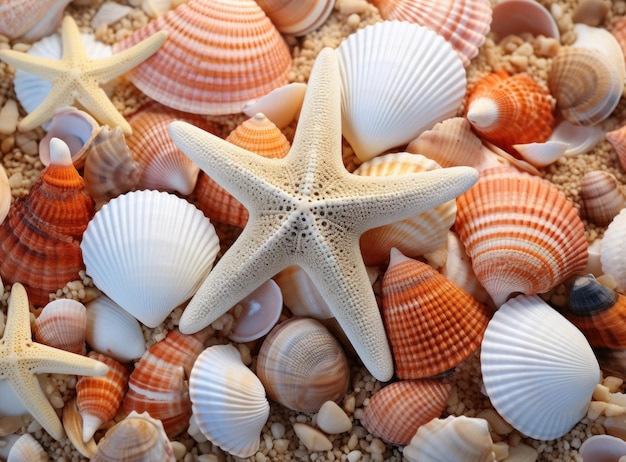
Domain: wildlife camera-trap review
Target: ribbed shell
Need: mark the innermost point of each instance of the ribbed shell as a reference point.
(432, 324)
(27, 448)
(62, 324)
(617, 138)
(30, 19)
(510, 109)
(521, 233)
(463, 23)
(395, 412)
(602, 197)
(219, 55)
(613, 251)
(297, 18)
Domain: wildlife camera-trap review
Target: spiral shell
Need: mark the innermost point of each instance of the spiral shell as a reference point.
(62, 324)
(602, 197)
(297, 18)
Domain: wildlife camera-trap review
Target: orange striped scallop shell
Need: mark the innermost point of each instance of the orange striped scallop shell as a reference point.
(219, 55)
(62, 324)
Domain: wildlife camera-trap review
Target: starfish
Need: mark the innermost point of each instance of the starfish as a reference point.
(307, 209)
(75, 77)
(21, 360)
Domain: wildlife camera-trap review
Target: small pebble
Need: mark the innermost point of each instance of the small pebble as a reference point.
(332, 419)
(9, 116)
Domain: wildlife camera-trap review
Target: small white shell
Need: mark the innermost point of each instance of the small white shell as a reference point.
(27, 448)
(228, 400)
(538, 369)
(541, 154)
(602, 448)
(613, 250)
(579, 139)
(281, 105)
(261, 310)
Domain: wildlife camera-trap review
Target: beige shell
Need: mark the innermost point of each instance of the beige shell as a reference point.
(62, 324)
(300, 294)
(602, 197)
(27, 448)
(297, 17)
(281, 105)
(73, 426)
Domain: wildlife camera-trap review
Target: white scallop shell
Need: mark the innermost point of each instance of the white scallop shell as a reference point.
(398, 79)
(149, 251)
(228, 400)
(613, 250)
(538, 369)
(112, 331)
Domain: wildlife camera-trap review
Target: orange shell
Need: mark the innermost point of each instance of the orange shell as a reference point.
(507, 110)
(219, 55)
(395, 412)
(521, 233)
(431, 323)
(62, 324)
(617, 138)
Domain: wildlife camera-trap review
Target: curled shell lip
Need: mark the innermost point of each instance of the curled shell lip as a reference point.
(602, 448)
(261, 310)
(515, 17)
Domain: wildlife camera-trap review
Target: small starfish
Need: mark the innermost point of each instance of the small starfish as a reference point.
(21, 359)
(75, 77)
(307, 209)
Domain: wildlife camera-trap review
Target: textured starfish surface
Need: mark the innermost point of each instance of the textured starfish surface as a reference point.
(307, 209)
(75, 77)
(21, 360)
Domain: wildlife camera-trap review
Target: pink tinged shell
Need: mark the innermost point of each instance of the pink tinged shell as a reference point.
(464, 24)
(396, 411)
(281, 105)
(516, 17)
(62, 324)
(521, 233)
(260, 312)
(613, 251)
(617, 138)
(300, 294)
(30, 20)
(538, 369)
(602, 197)
(99, 398)
(219, 55)
(297, 18)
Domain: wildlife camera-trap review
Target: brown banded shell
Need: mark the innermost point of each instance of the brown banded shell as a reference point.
(297, 17)
(602, 197)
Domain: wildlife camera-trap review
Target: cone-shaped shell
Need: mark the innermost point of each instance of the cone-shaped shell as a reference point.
(613, 251)
(617, 138)
(419, 305)
(538, 369)
(297, 18)
(382, 109)
(463, 23)
(62, 324)
(602, 197)
(396, 411)
(229, 403)
(521, 233)
(219, 54)
(510, 109)
(40, 238)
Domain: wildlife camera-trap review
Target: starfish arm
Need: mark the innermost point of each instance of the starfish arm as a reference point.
(57, 97)
(17, 328)
(95, 100)
(71, 42)
(45, 359)
(44, 68)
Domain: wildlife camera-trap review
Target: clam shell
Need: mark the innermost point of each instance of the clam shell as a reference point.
(382, 109)
(260, 312)
(219, 55)
(281, 105)
(302, 365)
(521, 233)
(617, 138)
(297, 18)
(149, 251)
(300, 294)
(602, 197)
(538, 369)
(419, 305)
(395, 412)
(613, 250)
(602, 448)
(62, 324)
(229, 402)
(464, 24)
(27, 448)
(517, 17)
(29, 20)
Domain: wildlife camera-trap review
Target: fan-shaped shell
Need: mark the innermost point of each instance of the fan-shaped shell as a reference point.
(462, 23)
(602, 197)
(395, 412)
(617, 138)
(62, 324)
(297, 18)
(521, 233)
(300, 294)
(219, 55)
(29, 20)
(398, 79)
(510, 109)
(419, 305)
(302, 365)
(27, 448)
(149, 251)
(40, 238)
(518, 17)
(229, 403)
(538, 369)
(613, 250)
(414, 236)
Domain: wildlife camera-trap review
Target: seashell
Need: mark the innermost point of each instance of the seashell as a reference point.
(602, 448)
(99, 398)
(281, 105)
(579, 139)
(297, 18)
(312, 438)
(604, 42)
(229, 403)
(617, 138)
(332, 419)
(40, 238)
(163, 166)
(158, 386)
(232, 54)
(399, 104)
(109, 13)
(613, 251)
(113, 331)
(300, 294)
(591, 12)
(260, 312)
(419, 305)
(464, 24)
(27, 448)
(517, 17)
(414, 236)
(541, 154)
(62, 324)
(302, 365)
(618, 30)
(110, 169)
(601, 196)
(5, 194)
(149, 251)
(598, 312)
(29, 20)
(73, 426)
(510, 109)
(521, 233)
(76, 128)
(139, 437)
(538, 369)
(395, 412)
(453, 438)
(612, 361)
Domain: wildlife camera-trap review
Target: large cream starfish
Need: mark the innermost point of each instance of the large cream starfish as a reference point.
(21, 360)
(75, 77)
(307, 209)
